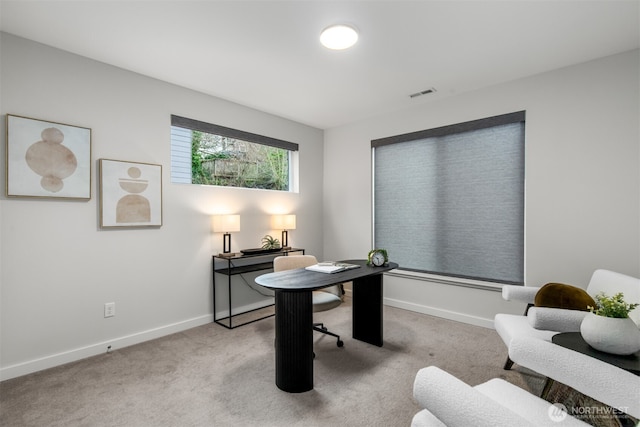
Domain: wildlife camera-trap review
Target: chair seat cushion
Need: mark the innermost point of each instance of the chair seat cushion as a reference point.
(323, 301)
(523, 403)
(449, 401)
(512, 325)
(560, 295)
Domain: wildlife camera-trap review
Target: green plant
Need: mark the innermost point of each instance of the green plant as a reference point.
(611, 306)
(269, 242)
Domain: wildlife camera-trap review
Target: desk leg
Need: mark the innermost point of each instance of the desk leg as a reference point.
(294, 341)
(367, 309)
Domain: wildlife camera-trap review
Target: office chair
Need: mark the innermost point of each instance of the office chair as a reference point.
(323, 299)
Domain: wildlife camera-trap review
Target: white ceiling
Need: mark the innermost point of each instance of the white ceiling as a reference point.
(267, 55)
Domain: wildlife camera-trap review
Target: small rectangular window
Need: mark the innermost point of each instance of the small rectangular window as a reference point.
(204, 153)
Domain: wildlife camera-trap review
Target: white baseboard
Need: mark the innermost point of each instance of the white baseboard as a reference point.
(249, 307)
(433, 311)
(53, 360)
(438, 312)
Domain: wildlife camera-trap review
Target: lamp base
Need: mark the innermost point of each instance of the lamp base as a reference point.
(226, 255)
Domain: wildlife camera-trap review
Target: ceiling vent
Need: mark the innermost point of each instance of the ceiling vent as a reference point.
(424, 92)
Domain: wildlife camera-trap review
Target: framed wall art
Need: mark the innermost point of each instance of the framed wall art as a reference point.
(130, 194)
(47, 159)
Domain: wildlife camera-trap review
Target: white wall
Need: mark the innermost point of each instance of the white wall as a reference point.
(58, 268)
(582, 180)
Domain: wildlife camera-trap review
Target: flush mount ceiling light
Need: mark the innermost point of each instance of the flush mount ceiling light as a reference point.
(338, 37)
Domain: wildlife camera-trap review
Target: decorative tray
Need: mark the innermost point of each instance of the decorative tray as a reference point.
(258, 251)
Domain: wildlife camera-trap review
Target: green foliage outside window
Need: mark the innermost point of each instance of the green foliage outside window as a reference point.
(219, 160)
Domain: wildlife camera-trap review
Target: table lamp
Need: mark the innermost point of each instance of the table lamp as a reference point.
(226, 224)
(284, 223)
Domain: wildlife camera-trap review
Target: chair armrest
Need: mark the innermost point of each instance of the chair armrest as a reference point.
(555, 319)
(600, 380)
(519, 293)
(457, 404)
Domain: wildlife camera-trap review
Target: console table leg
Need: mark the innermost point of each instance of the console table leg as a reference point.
(294, 341)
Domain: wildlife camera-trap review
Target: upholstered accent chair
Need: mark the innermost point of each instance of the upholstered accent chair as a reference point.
(545, 322)
(602, 381)
(447, 401)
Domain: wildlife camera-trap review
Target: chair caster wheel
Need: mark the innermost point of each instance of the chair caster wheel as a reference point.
(340, 343)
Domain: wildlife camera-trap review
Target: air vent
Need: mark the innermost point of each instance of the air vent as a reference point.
(424, 92)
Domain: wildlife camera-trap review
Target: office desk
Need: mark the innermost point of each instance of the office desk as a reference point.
(294, 316)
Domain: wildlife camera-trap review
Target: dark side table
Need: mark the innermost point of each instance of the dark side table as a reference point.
(575, 342)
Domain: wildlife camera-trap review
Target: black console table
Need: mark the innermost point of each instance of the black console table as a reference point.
(237, 265)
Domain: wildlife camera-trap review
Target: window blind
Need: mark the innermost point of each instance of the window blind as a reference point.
(450, 200)
(192, 124)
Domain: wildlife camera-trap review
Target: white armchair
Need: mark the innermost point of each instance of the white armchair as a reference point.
(447, 401)
(599, 380)
(544, 322)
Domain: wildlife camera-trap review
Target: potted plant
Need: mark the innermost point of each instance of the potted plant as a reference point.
(608, 326)
(269, 242)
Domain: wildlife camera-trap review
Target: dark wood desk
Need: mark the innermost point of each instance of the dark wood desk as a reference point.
(575, 342)
(294, 320)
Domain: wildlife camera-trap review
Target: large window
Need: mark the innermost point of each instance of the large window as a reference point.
(204, 153)
(450, 200)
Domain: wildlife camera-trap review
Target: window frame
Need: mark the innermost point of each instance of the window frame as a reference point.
(210, 128)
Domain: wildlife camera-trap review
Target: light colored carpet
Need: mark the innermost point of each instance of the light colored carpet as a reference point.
(212, 376)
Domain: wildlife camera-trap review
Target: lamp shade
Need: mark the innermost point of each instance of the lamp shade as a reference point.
(283, 222)
(226, 223)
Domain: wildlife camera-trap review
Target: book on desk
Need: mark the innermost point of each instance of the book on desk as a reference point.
(331, 267)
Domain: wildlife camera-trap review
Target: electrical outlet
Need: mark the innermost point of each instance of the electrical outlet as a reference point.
(109, 309)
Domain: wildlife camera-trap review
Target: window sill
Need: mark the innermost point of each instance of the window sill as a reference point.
(447, 280)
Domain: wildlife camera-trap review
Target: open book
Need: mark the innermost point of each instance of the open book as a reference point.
(331, 267)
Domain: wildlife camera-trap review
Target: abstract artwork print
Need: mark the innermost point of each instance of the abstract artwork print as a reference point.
(130, 194)
(47, 159)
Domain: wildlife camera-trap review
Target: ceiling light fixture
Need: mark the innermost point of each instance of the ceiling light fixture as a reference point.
(338, 37)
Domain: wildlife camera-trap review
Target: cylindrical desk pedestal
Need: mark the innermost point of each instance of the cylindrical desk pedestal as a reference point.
(294, 341)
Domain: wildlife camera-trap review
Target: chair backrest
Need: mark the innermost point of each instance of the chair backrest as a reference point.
(291, 262)
(611, 283)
